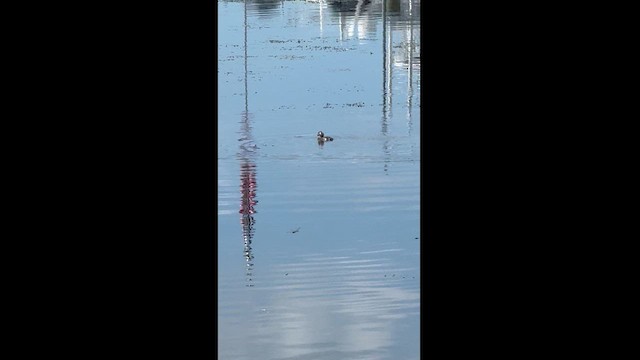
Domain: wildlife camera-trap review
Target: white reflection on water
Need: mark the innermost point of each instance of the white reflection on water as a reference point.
(328, 307)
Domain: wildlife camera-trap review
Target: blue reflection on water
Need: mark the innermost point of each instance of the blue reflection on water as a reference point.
(328, 268)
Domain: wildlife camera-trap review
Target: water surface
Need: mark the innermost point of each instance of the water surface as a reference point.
(318, 243)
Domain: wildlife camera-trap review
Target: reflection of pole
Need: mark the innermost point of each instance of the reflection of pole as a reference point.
(248, 186)
(410, 80)
(248, 183)
(321, 20)
(385, 83)
(246, 94)
(386, 53)
(389, 67)
(340, 25)
(356, 20)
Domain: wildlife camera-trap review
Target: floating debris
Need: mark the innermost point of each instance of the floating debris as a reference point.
(295, 231)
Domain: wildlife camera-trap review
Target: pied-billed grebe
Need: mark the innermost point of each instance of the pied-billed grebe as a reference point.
(323, 138)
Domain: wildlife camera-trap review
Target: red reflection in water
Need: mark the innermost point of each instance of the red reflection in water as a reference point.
(248, 188)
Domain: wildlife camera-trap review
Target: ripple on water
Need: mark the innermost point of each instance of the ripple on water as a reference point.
(346, 298)
(345, 283)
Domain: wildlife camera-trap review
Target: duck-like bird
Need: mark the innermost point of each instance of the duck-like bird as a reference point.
(322, 138)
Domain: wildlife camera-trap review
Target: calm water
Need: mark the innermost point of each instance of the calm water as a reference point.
(318, 244)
